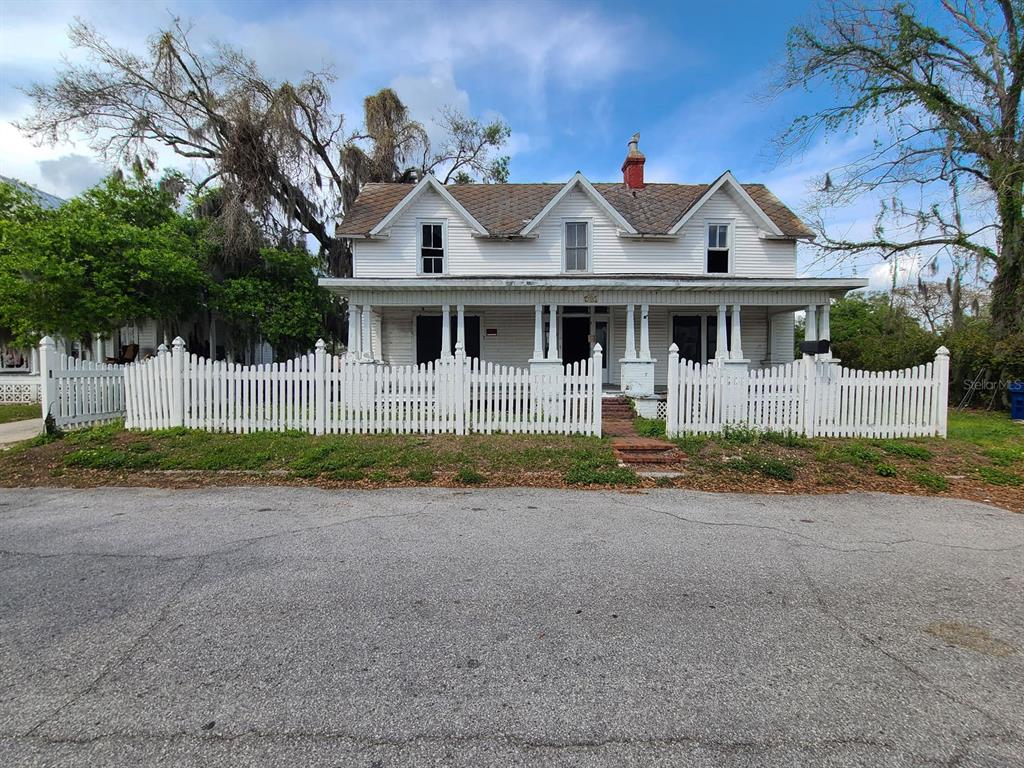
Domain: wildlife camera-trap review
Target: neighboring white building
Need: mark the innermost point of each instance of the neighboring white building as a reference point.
(536, 274)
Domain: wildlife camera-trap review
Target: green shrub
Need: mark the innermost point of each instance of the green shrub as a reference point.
(594, 471)
(1005, 457)
(930, 480)
(739, 434)
(909, 450)
(649, 427)
(764, 465)
(469, 476)
(885, 470)
(691, 444)
(111, 458)
(787, 439)
(997, 476)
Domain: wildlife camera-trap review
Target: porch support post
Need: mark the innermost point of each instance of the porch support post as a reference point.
(353, 329)
(737, 364)
(736, 348)
(446, 330)
(366, 345)
(811, 324)
(722, 337)
(825, 334)
(636, 374)
(538, 331)
(824, 331)
(645, 335)
(630, 334)
(553, 332)
(97, 348)
(460, 326)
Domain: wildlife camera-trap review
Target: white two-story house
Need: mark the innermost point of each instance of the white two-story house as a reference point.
(537, 274)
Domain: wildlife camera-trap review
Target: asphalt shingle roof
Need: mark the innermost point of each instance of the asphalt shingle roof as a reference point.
(504, 209)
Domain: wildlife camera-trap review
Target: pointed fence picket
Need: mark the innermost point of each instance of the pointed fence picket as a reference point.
(809, 397)
(321, 393)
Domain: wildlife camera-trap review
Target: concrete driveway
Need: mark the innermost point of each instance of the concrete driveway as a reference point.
(15, 431)
(294, 627)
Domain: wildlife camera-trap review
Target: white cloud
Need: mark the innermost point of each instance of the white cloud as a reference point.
(69, 174)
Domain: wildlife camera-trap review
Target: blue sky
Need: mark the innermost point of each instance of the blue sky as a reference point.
(573, 79)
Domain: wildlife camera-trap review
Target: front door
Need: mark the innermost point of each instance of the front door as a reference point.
(575, 339)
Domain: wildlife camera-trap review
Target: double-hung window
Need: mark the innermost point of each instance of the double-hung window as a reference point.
(432, 248)
(718, 249)
(576, 246)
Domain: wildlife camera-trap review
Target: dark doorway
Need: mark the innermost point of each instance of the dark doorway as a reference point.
(575, 339)
(428, 337)
(686, 336)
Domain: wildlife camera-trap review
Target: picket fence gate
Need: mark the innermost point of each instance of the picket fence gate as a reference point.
(811, 397)
(79, 393)
(321, 393)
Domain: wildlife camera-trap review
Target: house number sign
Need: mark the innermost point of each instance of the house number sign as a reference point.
(590, 298)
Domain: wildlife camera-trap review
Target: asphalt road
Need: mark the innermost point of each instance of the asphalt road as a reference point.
(293, 627)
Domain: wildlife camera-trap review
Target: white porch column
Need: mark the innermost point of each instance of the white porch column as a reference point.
(736, 348)
(824, 331)
(446, 330)
(353, 329)
(97, 348)
(630, 334)
(366, 344)
(636, 373)
(460, 326)
(553, 332)
(645, 334)
(811, 324)
(538, 331)
(34, 357)
(722, 337)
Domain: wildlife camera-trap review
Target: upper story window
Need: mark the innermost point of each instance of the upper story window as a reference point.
(576, 246)
(432, 247)
(718, 248)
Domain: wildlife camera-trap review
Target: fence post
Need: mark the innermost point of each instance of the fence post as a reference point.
(460, 383)
(598, 375)
(47, 383)
(941, 398)
(810, 394)
(320, 387)
(177, 382)
(672, 403)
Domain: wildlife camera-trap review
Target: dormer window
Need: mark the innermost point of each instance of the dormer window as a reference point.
(718, 249)
(432, 247)
(576, 246)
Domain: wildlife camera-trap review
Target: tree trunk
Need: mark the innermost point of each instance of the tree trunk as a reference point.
(1008, 286)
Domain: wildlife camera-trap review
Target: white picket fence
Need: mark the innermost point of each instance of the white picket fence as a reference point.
(79, 393)
(810, 397)
(325, 394)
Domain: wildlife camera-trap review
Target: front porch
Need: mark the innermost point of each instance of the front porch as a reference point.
(556, 321)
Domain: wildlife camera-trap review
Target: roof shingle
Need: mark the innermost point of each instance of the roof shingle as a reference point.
(504, 209)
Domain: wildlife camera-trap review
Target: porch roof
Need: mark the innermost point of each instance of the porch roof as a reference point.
(593, 289)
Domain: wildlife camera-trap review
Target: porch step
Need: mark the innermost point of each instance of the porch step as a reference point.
(646, 451)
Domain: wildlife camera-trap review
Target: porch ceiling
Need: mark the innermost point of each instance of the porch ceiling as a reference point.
(591, 289)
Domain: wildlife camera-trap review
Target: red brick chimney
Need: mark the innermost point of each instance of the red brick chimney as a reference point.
(633, 165)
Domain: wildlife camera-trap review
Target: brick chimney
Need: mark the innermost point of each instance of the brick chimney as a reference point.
(633, 165)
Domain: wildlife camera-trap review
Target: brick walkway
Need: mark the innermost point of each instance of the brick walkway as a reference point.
(617, 423)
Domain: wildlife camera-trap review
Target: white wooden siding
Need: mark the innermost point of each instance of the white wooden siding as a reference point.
(466, 255)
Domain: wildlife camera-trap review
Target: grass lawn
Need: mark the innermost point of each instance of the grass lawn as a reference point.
(983, 459)
(110, 454)
(18, 412)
